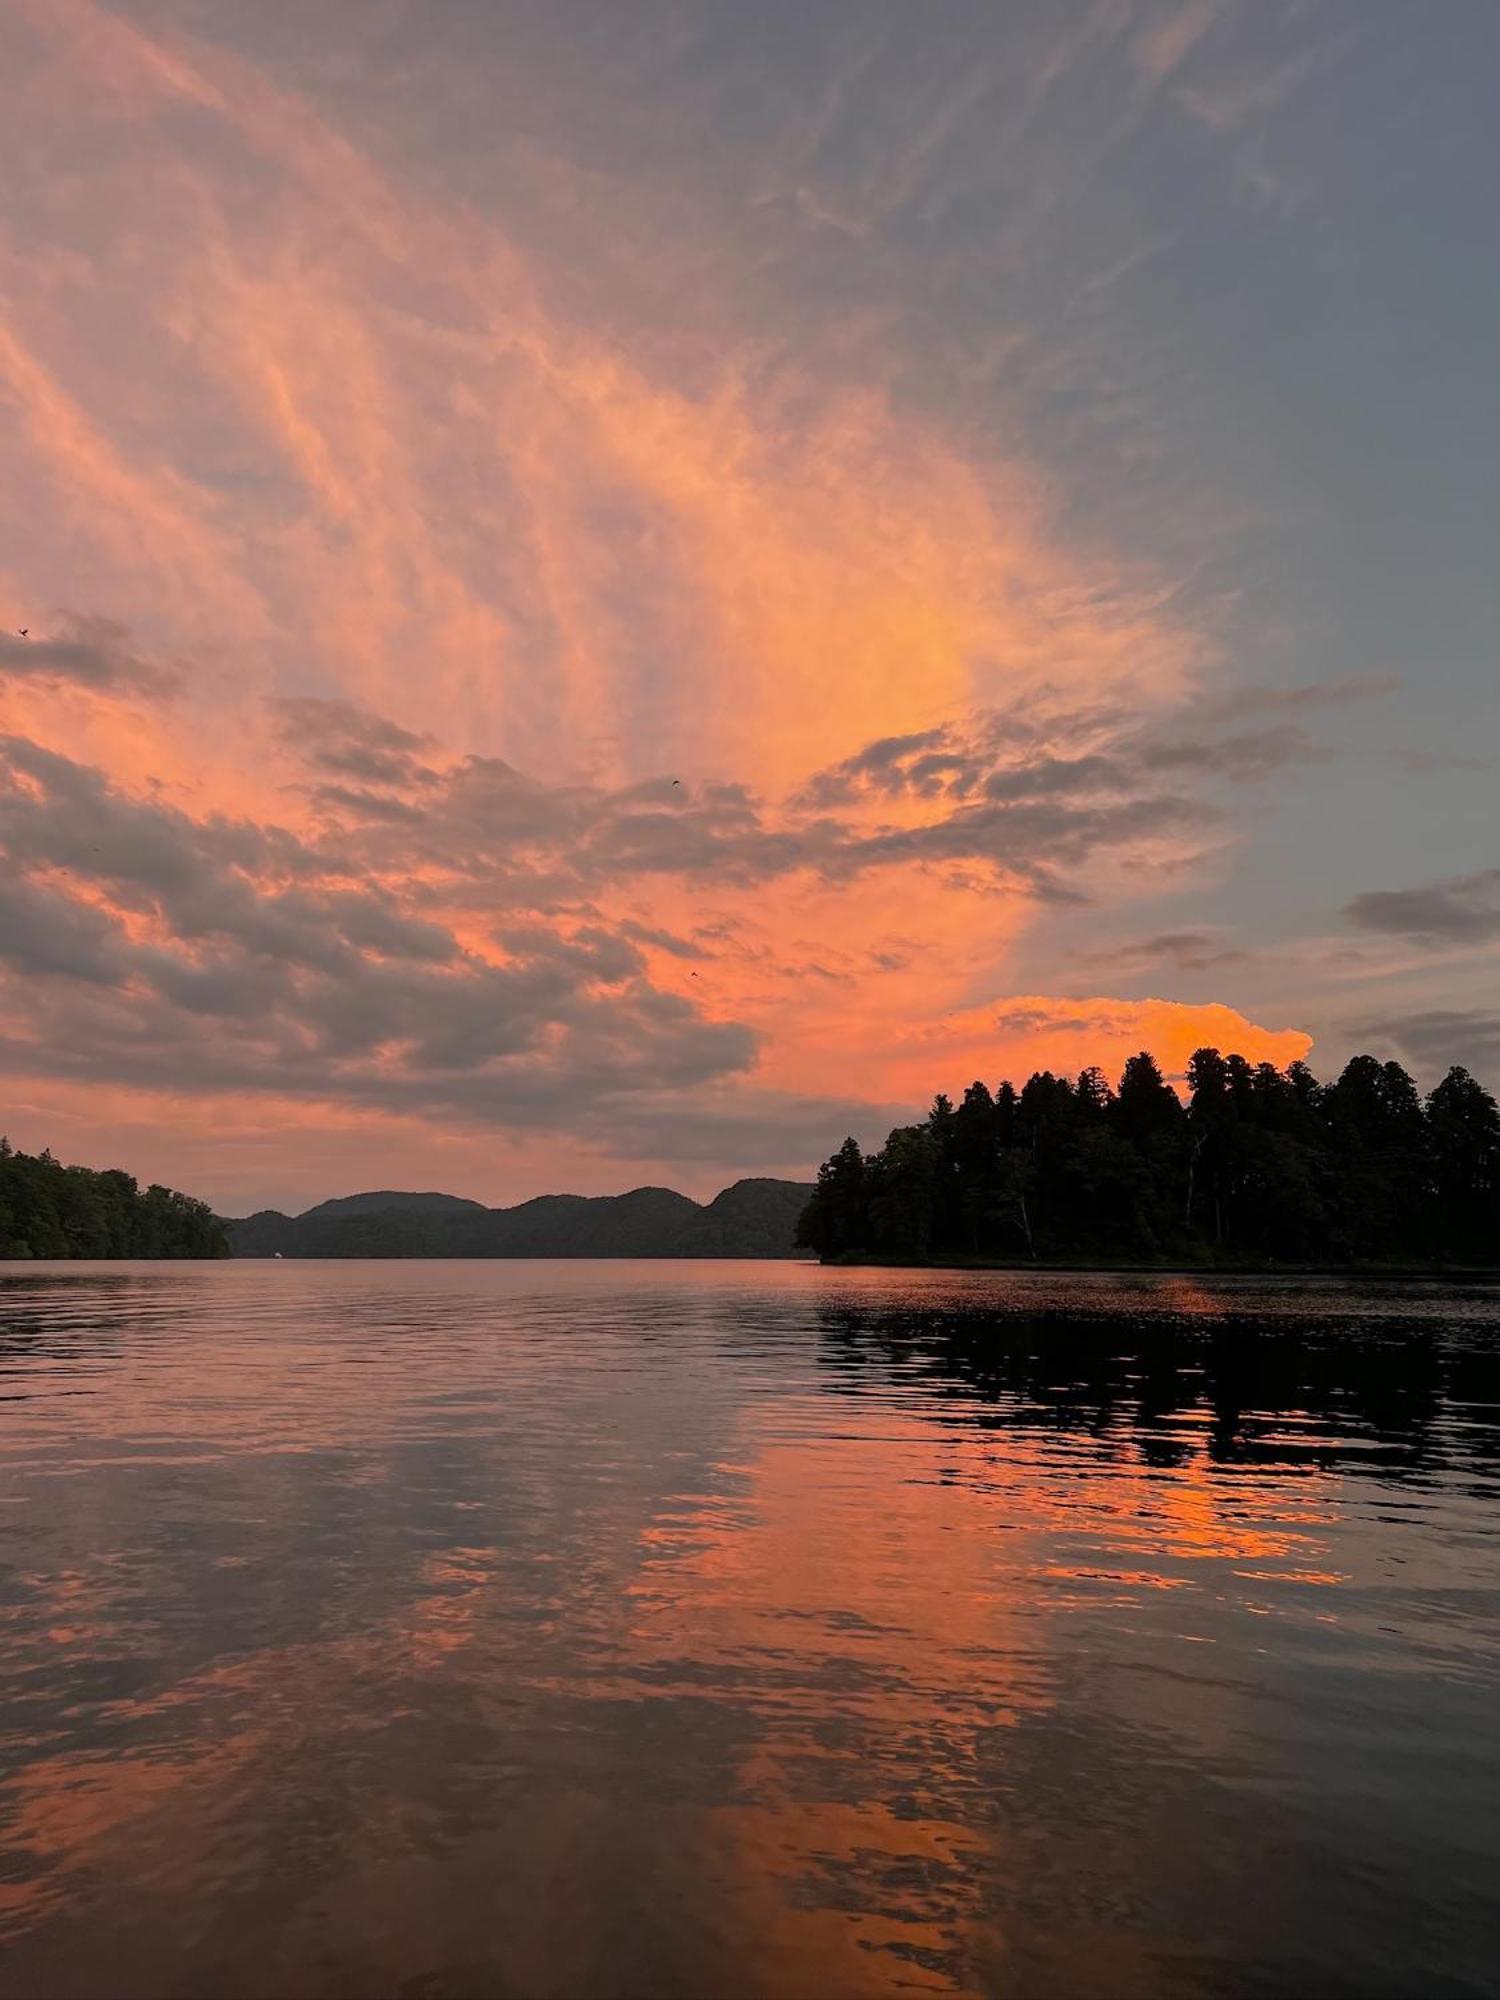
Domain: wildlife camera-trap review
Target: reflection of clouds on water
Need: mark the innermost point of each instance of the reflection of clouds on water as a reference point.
(867, 1648)
(546, 1629)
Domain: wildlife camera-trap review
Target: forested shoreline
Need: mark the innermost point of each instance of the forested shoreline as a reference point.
(49, 1210)
(1259, 1167)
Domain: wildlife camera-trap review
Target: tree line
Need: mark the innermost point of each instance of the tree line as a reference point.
(49, 1210)
(1259, 1166)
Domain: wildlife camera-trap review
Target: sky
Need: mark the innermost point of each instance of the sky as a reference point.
(611, 594)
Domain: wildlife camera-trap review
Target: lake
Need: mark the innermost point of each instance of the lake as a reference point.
(449, 1629)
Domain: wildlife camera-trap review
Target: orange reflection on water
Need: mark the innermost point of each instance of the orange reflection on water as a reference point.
(871, 1648)
(880, 1647)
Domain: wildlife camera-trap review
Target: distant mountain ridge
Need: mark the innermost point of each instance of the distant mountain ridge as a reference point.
(753, 1218)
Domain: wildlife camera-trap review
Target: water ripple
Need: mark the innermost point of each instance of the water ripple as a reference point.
(444, 1629)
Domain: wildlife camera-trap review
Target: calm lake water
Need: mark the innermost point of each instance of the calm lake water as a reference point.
(647, 1629)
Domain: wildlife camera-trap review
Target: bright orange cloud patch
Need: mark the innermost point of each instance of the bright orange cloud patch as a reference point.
(1031, 1031)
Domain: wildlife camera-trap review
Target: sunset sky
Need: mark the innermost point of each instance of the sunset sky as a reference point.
(616, 591)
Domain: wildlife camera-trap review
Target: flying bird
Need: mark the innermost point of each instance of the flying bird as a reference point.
(25, 633)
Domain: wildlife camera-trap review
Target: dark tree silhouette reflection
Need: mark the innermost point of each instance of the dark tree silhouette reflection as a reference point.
(1250, 1387)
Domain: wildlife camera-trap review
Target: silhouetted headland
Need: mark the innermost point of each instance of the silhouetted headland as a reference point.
(49, 1210)
(1260, 1168)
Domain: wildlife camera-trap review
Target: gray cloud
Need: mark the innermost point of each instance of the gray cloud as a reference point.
(1023, 819)
(1187, 951)
(1431, 1042)
(667, 941)
(43, 932)
(1243, 758)
(889, 764)
(1462, 910)
(90, 652)
(1298, 700)
(1058, 754)
(1049, 746)
(1421, 762)
(348, 741)
(258, 961)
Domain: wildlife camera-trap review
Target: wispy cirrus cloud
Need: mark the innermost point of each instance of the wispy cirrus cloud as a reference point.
(401, 451)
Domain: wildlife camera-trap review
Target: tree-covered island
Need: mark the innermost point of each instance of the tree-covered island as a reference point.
(1259, 1166)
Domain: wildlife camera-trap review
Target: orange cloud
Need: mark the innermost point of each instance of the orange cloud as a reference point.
(1025, 1032)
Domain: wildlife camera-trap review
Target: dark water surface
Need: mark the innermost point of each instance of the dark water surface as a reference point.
(620, 1629)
